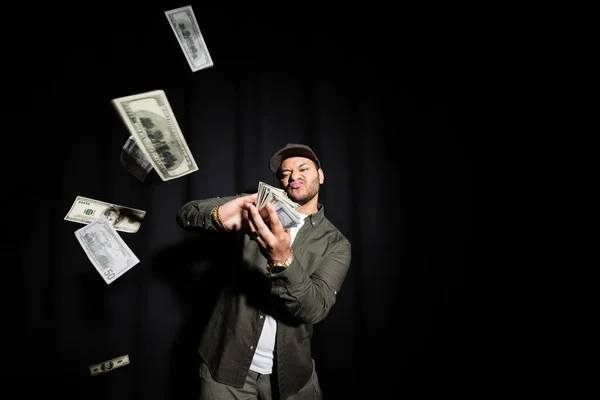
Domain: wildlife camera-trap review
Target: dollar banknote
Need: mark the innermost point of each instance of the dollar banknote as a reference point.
(134, 159)
(151, 121)
(125, 219)
(284, 206)
(267, 193)
(109, 365)
(105, 249)
(184, 25)
(288, 217)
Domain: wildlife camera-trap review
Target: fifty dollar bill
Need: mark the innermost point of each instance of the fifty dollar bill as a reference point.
(151, 121)
(109, 365)
(105, 249)
(184, 25)
(125, 219)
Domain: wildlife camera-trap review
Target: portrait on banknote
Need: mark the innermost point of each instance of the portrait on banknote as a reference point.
(113, 215)
(151, 121)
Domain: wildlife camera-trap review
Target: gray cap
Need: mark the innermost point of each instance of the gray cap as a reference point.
(292, 150)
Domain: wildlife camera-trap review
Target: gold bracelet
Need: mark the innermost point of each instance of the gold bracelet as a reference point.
(276, 268)
(284, 264)
(217, 217)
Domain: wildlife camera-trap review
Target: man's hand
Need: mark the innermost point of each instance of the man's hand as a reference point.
(233, 213)
(273, 240)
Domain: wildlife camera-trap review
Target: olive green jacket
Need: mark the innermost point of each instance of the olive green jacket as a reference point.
(297, 298)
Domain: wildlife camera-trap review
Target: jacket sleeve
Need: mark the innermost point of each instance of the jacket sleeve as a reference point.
(309, 298)
(194, 216)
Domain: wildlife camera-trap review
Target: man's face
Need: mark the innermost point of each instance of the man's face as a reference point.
(300, 178)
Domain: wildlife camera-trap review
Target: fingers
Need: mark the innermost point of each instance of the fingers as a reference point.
(250, 225)
(261, 242)
(259, 225)
(255, 235)
(253, 198)
(274, 218)
(244, 218)
(252, 232)
(243, 201)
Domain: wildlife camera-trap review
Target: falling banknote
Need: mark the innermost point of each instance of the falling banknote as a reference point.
(151, 121)
(184, 25)
(105, 249)
(134, 159)
(109, 365)
(125, 219)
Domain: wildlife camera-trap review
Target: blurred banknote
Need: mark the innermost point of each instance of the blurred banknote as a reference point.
(286, 208)
(184, 25)
(106, 250)
(134, 159)
(125, 219)
(109, 365)
(151, 121)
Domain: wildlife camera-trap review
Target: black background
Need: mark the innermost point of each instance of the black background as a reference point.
(379, 93)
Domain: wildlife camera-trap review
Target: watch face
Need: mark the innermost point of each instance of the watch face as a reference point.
(277, 269)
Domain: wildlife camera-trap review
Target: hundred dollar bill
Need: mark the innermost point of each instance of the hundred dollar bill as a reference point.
(125, 219)
(184, 25)
(109, 365)
(284, 206)
(134, 160)
(287, 216)
(105, 249)
(151, 121)
(269, 194)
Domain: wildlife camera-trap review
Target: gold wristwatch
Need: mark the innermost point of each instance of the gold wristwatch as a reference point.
(277, 267)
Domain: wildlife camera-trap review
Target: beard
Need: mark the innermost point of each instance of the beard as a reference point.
(310, 190)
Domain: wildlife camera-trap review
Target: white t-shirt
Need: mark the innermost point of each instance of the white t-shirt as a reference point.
(263, 356)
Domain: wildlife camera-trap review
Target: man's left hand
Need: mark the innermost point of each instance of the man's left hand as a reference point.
(273, 240)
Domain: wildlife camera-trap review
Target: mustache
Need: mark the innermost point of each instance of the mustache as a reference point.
(289, 185)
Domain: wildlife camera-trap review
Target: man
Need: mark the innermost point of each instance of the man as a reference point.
(257, 342)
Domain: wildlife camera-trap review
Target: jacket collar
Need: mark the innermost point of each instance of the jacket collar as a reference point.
(317, 217)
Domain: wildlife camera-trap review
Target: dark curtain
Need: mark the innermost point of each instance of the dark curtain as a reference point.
(375, 92)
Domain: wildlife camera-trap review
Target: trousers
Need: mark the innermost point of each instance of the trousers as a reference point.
(257, 387)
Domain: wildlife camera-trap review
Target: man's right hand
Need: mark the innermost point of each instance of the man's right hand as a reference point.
(234, 212)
